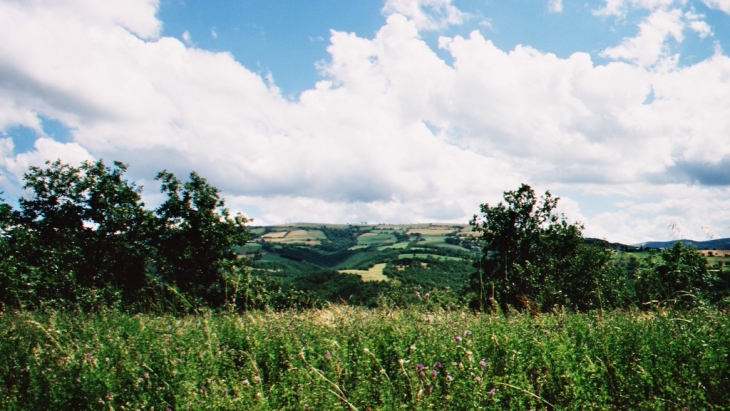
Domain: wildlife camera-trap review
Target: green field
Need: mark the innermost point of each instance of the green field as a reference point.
(429, 256)
(344, 358)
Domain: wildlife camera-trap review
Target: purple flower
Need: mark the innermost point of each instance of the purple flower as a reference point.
(457, 338)
(421, 374)
(437, 365)
(467, 332)
(483, 363)
(420, 367)
(418, 294)
(434, 373)
(426, 295)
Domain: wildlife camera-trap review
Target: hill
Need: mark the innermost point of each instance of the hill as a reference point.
(716, 244)
(312, 256)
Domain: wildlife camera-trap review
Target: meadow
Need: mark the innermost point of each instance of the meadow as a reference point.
(348, 358)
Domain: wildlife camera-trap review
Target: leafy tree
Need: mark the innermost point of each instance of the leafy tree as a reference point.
(679, 274)
(80, 236)
(195, 239)
(534, 257)
(83, 236)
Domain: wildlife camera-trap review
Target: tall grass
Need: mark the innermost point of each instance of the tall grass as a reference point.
(345, 358)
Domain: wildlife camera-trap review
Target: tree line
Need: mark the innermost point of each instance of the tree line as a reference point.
(82, 237)
(534, 258)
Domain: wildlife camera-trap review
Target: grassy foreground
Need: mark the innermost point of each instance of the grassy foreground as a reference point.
(347, 358)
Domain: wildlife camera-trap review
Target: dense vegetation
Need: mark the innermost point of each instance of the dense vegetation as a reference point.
(105, 303)
(345, 358)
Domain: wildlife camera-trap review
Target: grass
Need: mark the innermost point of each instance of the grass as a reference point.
(434, 256)
(344, 358)
(374, 273)
(369, 239)
(400, 245)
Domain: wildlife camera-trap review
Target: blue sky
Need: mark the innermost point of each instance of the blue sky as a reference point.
(390, 111)
(288, 38)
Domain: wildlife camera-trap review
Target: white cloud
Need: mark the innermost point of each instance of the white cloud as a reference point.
(723, 5)
(45, 149)
(427, 14)
(392, 133)
(187, 38)
(649, 45)
(619, 8)
(555, 6)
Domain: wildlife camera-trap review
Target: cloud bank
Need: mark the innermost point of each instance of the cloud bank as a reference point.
(392, 132)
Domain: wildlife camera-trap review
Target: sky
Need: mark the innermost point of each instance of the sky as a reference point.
(389, 111)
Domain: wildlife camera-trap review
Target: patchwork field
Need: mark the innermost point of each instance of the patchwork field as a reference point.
(375, 273)
(294, 236)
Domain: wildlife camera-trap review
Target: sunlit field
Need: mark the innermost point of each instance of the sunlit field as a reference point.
(345, 358)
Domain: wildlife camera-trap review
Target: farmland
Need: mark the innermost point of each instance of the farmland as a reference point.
(296, 249)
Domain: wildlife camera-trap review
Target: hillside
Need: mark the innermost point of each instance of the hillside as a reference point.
(426, 255)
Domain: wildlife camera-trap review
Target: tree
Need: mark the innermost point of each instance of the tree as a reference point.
(195, 238)
(79, 236)
(680, 274)
(532, 256)
(83, 237)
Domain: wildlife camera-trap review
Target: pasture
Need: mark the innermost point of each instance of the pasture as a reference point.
(374, 273)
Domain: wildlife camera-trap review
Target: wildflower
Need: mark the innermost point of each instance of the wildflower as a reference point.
(421, 374)
(427, 295)
(437, 365)
(327, 355)
(418, 294)
(467, 332)
(483, 363)
(454, 363)
(457, 338)
(434, 373)
(257, 378)
(420, 367)
(450, 378)
(492, 391)
(246, 383)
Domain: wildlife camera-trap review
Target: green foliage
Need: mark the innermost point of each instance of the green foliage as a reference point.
(535, 258)
(678, 274)
(342, 358)
(339, 287)
(431, 273)
(81, 237)
(195, 238)
(338, 239)
(84, 238)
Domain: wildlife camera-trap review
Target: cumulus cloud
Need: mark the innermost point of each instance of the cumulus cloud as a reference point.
(392, 133)
(723, 5)
(427, 14)
(619, 8)
(649, 46)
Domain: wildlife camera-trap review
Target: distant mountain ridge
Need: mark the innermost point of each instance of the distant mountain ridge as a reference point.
(718, 243)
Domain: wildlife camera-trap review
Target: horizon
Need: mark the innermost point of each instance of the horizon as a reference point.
(409, 111)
